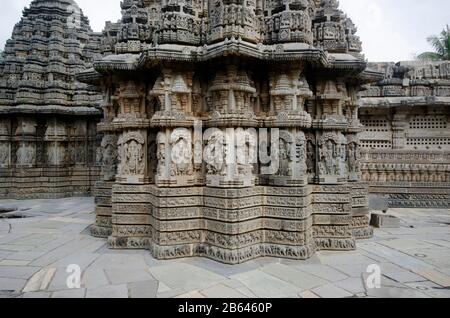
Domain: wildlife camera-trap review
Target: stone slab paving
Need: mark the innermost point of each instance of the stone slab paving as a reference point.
(35, 252)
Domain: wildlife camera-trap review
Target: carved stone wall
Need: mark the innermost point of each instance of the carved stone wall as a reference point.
(406, 143)
(230, 129)
(48, 135)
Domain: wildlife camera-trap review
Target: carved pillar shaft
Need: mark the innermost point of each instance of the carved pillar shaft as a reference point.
(399, 131)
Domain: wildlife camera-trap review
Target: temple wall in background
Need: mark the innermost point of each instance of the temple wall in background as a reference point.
(48, 134)
(406, 142)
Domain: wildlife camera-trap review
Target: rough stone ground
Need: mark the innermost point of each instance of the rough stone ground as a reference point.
(35, 252)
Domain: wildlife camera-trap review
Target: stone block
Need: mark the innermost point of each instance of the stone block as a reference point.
(384, 221)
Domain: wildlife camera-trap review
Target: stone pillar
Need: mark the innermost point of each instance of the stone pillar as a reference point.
(5, 156)
(230, 144)
(399, 125)
(333, 195)
(130, 125)
(108, 158)
(175, 124)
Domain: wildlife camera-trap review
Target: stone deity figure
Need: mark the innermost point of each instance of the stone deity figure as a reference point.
(134, 157)
(285, 158)
(109, 162)
(342, 159)
(182, 154)
(161, 154)
(354, 155)
(4, 153)
(311, 157)
(215, 154)
(26, 154)
(329, 158)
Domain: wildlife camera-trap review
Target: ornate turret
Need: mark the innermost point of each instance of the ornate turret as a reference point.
(180, 22)
(135, 31)
(333, 31)
(289, 21)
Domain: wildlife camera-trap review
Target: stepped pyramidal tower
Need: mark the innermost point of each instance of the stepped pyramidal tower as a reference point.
(230, 129)
(48, 137)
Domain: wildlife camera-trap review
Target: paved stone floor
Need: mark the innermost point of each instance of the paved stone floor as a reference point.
(35, 253)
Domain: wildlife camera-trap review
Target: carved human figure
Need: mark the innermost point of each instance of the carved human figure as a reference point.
(56, 154)
(4, 153)
(109, 159)
(215, 154)
(354, 155)
(285, 158)
(328, 161)
(161, 153)
(181, 152)
(300, 152)
(245, 152)
(26, 154)
(311, 157)
(131, 154)
(134, 157)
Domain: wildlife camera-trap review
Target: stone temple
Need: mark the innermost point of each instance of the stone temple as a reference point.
(48, 120)
(227, 129)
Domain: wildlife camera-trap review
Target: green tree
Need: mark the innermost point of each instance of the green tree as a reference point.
(441, 45)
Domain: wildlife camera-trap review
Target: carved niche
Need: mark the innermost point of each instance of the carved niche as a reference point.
(215, 154)
(354, 158)
(56, 154)
(311, 155)
(109, 157)
(132, 157)
(328, 149)
(26, 154)
(181, 152)
(4, 153)
(291, 155)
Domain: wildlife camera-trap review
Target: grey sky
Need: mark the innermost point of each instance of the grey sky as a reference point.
(390, 30)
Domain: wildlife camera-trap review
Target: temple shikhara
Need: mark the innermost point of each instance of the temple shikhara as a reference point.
(227, 129)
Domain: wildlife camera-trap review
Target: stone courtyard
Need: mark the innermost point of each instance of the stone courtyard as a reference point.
(41, 238)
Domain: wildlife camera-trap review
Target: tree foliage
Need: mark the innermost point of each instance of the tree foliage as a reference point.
(441, 45)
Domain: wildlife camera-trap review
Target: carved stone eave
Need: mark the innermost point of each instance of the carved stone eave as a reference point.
(290, 119)
(171, 119)
(389, 102)
(90, 76)
(48, 109)
(119, 62)
(368, 76)
(287, 52)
